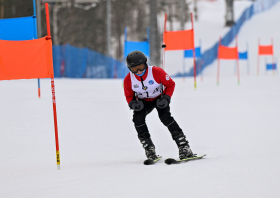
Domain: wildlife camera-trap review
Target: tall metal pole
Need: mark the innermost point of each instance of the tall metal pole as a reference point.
(108, 27)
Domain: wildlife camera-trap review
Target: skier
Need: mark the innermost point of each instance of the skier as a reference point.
(145, 88)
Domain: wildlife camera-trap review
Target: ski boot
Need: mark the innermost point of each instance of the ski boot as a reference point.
(149, 149)
(184, 148)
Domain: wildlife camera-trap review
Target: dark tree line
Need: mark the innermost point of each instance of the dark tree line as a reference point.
(15, 8)
(87, 28)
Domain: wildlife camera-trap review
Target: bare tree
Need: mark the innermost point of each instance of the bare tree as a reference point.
(229, 13)
(154, 36)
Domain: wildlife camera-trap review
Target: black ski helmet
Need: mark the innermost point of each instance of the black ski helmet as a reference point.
(135, 58)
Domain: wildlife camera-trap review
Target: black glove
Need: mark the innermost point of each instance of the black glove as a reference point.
(136, 105)
(163, 101)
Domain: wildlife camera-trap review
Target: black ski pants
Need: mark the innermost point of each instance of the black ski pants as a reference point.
(139, 119)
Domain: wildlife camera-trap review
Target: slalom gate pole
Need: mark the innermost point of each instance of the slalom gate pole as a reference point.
(201, 75)
(258, 63)
(39, 89)
(237, 63)
(201, 62)
(183, 66)
(194, 62)
(218, 68)
(218, 72)
(273, 63)
(265, 59)
(36, 37)
(234, 69)
(53, 95)
(248, 65)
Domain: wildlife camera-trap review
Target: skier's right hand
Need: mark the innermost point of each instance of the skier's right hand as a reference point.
(136, 105)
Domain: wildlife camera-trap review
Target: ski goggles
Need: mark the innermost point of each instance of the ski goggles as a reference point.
(137, 68)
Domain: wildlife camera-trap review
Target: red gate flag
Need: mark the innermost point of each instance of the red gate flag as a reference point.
(179, 40)
(26, 59)
(229, 53)
(265, 50)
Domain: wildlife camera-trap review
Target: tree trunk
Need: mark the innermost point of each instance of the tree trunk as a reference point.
(154, 36)
(229, 13)
(2, 9)
(195, 10)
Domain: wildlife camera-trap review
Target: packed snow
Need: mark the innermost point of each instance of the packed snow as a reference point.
(237, 126)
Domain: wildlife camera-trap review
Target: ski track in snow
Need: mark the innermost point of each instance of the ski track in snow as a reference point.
(101, 156)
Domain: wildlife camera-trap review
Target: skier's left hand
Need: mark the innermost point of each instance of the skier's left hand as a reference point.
(163, 101)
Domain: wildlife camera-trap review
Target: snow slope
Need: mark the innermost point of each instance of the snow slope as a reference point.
(261, 26)
(236, 126)
(209, 27)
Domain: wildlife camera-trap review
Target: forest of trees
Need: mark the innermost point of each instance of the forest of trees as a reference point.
(87, 27)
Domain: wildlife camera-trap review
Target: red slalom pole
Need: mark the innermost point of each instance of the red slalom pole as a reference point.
(273, 63)
(194, 62)
(53, 95)
(237, 63)
(258, 64)
(218, 68)
(39, 89)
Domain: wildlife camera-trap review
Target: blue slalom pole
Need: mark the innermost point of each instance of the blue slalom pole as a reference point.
(36, 37)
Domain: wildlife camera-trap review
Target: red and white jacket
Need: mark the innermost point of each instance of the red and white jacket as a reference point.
(158, 75)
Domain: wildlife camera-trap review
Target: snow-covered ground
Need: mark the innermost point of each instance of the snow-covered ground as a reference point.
(101, 156)
(236, 126)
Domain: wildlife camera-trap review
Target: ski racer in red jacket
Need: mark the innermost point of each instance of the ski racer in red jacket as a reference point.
(145, 88)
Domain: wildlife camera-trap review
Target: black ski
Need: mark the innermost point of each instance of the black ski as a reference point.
(170, 161)
(151, 162)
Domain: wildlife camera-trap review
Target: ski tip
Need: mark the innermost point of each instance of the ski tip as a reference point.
(170, 161)
(148, 162)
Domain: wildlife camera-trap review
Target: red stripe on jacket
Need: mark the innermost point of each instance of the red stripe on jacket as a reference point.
(159, 75)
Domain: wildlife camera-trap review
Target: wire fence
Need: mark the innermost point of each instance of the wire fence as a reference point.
(74, 62)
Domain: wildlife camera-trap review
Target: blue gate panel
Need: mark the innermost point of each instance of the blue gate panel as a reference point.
(189, 53)
(130, 46)
(18, 29)
(243, 55)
